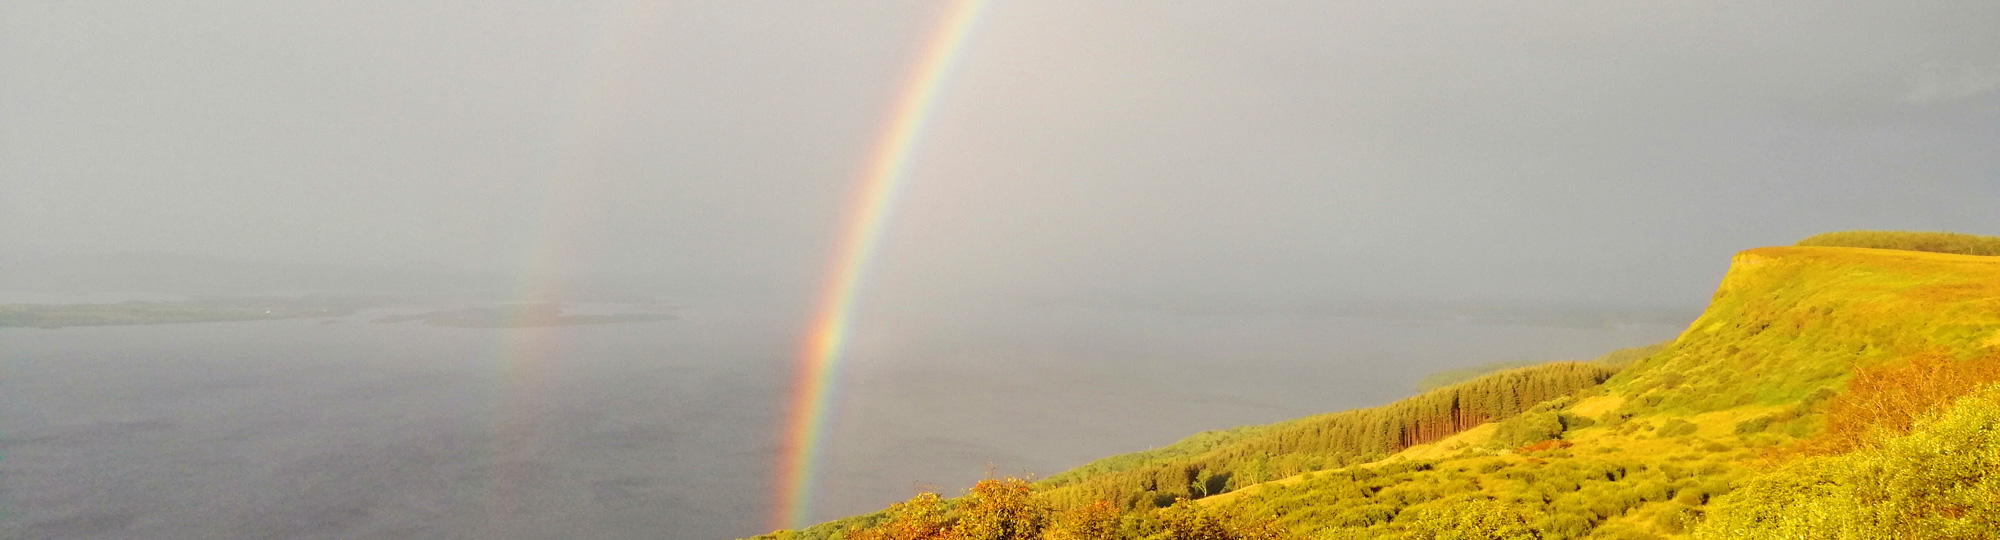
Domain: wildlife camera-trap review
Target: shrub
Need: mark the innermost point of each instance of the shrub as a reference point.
(1936, 482)
(1001, 509)
(1676, 518)
(1184, 520)
(1528, 429)
(920, 518)
(1479, 519)
(1753, 425)
(1563, 526)
(1654, 491)
(994, 509)
(1624, 532)
(1099, 521)
(1887, 399)
(1676, 428)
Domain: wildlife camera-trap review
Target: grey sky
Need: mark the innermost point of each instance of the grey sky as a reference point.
(1582, 152)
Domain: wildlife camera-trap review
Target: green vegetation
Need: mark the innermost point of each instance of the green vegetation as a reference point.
(1545, 495)
(1321, 442)
(1940, 481)
(519, 316)
(1827, 392)
(1789, 325)
(1199, 443)
(1935, 242)
(191, 311)
(1007, 509)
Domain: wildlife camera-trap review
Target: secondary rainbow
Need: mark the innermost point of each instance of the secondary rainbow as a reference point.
(528, 359)
(826, 340)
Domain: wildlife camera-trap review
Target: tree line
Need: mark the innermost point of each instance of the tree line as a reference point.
(1326, 441)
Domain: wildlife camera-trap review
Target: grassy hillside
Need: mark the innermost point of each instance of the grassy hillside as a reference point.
(1788, 322)
(1821, 395)
(1936, 242)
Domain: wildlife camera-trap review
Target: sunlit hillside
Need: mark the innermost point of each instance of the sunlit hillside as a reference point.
(1934, 242)
(1823, 394)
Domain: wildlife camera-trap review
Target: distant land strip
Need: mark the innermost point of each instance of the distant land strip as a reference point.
(190, 311)
(520, 316)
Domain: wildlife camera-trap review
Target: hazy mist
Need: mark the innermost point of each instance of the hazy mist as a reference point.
(1170, 152)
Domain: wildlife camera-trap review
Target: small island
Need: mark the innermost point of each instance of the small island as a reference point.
(520, 316)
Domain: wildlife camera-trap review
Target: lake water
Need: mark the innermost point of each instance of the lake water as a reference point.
(355, 430)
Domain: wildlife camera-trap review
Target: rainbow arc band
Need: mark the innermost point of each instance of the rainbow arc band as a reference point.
(820, 362)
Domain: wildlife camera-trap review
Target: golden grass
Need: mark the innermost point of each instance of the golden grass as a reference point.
(1596, 406)
(1450, 446)
(1786, 322)
(1789, 321)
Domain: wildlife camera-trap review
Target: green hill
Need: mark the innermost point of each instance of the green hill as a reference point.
(1813, 399)
(1935, 242)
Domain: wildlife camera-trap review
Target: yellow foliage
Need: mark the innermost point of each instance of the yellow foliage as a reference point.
(1940, 481)
(1099, 521)
(1888, 399)
(920, 518)
(1478, 519)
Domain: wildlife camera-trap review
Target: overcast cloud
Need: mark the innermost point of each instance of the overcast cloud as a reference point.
(1082, 152)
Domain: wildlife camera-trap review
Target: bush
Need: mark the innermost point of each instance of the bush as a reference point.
(1676, 428)
(1184, 520)
(1572, 422)
(1001, 509)
(1563, 526)
(1888, 399)
(994, 509)
(1478, 519)
(1528, 429)
(1690, 497)
(1753, 425)
(921, 518)
(1098, 521)
(1936, 242)
(1937, 482)
(1675, 518)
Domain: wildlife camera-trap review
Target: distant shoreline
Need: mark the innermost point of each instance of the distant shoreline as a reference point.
(137, 313)
(130, 313)
(520, 316)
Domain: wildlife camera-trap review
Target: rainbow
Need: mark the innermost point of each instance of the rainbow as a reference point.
(820, 362)
(526, 358)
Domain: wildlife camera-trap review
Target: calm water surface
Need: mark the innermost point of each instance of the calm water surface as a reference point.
(356, 430)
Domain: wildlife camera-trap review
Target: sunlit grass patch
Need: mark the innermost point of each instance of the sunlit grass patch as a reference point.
(1937, 242)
